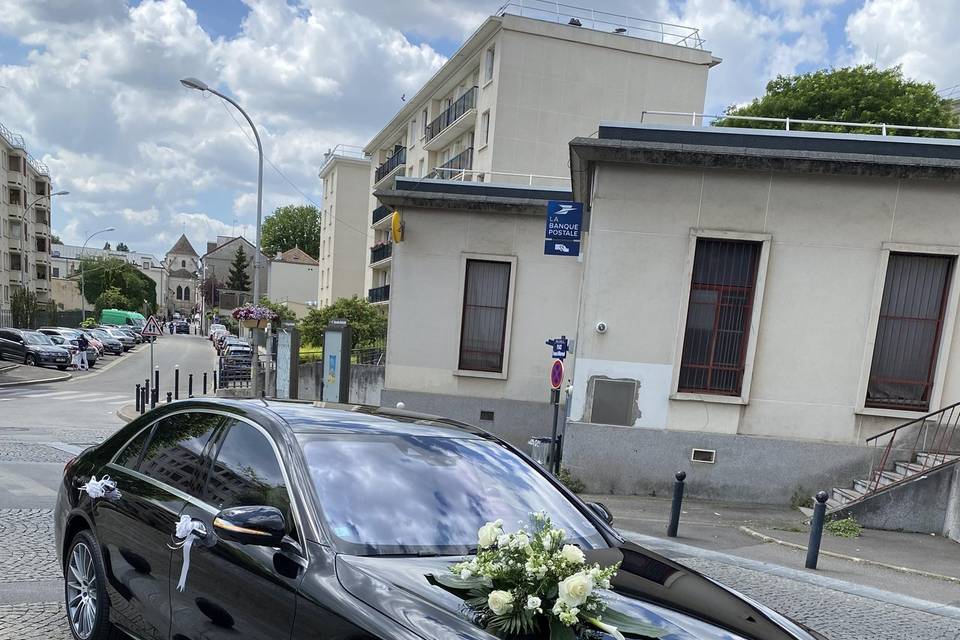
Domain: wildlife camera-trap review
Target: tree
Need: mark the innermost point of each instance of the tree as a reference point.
(24, 307)
(55, 239)
(237, 279)
(106, 246)
(292, 226)
(111, 298)
(850, 94)
(99, 274)
(122, 246)
(368, 323)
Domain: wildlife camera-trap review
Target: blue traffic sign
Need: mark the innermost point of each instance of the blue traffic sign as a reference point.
(564, 225)
(561, 248)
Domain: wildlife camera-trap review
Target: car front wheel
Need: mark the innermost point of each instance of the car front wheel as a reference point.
(30, 360)
(88, 608)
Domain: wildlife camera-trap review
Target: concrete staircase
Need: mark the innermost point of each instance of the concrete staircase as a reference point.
(902, 472)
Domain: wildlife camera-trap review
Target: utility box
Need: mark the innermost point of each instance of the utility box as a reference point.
(337, 342)
(540, 451)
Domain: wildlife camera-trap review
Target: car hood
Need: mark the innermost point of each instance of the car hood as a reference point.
(47, 348)
(651, 588)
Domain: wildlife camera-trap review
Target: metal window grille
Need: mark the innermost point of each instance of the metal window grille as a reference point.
(718, 316)
(486, 293)
(908, 331)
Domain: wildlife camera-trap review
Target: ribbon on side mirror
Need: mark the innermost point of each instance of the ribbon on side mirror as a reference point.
(187, 531)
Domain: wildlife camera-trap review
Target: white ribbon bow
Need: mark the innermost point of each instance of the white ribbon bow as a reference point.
(187, 529)
(99, 488)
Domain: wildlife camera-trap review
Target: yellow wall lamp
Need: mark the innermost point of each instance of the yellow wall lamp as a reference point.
(396, 227)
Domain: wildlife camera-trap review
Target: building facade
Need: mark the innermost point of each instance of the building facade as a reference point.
(216, 263)
(65, 272)
(344, 221)
(292, 280)
(182, 269)
(503, 108)
(24, 221)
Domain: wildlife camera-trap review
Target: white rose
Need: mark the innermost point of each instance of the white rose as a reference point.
(500, 602)
(575, 590)
(533, 602)
(520, 540)
(465, 574)
(572, 554)
(488, 533)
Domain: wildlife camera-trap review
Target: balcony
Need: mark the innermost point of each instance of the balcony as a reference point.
(380, 253)
(382, 212)
(379, 294)
(454, 168)
(392, 164)
(455, 120)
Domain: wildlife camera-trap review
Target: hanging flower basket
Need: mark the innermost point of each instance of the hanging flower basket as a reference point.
(254, 316)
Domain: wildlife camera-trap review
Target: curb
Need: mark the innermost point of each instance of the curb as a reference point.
(843, 556)
(128, 413)
(23, 383)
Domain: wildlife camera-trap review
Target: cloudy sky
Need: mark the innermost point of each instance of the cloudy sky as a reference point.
(93, 87)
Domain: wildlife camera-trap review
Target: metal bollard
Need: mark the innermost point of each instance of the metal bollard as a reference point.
(156, 380)
(189, 385)
(204, 383)
(677, 503)
(176, 382)
(214, 381)
(146, 393)
(169, 397)
(136, 398)
(816, 530)
(143, 400)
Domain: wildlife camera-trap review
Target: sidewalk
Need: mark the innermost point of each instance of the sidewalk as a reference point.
(18, 375)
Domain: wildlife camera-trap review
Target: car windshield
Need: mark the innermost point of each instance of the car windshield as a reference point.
(36, 338)
(101, 334)
(417, 495)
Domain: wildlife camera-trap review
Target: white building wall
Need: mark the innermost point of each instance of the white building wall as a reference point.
(293, 284)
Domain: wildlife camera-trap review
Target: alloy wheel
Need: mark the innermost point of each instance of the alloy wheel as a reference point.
(82, 606)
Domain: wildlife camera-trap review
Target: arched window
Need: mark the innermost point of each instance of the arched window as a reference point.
(183, 263)
(179, 292)
(186, 293)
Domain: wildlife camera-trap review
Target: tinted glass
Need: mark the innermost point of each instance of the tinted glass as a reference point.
(410, 494)
(130, 454)
(173, 455)
(247, 473)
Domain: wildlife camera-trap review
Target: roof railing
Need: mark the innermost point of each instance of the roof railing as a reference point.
(13, 139)
(352, 151)
(698, 119)
(665, 32)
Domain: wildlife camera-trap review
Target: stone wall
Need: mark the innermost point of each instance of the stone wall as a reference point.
(366, 382)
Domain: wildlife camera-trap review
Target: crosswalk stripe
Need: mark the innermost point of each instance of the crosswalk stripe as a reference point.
(55, 394)
(101, 398)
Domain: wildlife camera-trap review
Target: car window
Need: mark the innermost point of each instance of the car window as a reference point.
(247, 472)
(6, 335)
(174, 453)
(129, 456)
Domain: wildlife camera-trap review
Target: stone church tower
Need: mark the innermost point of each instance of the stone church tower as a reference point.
(182, 286)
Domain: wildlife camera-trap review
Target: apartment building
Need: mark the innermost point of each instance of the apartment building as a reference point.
(292, 280)
(344, 221)
(505, 105)
(65, 271)
(24, 221)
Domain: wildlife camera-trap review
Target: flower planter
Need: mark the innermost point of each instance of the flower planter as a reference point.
(252, 323)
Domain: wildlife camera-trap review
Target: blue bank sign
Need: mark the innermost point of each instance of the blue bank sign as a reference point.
(564, 225)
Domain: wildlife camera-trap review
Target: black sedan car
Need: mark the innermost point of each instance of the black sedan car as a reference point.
(33, 348)
(181, 326)
(329, 521)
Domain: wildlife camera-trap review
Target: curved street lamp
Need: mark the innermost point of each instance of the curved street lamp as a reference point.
(83, 287)
(23, 259)
(200, 85)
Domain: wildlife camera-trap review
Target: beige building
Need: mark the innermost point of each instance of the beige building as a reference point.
(745, 300)
(24, 221)
(292, 280)
(216, 263)
(65, 272)
(503, 108)
(344, 221)
(182, 282)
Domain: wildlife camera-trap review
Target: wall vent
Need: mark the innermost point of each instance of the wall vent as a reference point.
(614, 402)
(486, 415)
(709, 456)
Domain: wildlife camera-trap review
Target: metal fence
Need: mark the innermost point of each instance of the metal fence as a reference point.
(43, 319)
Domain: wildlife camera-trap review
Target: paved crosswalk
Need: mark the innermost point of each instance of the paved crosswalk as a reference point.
(84, 397)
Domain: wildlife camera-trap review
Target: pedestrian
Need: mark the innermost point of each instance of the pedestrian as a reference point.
(82, 344)
(171, 328)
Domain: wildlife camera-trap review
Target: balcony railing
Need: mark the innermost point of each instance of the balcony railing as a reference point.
(399, 158)
(379, 294)
(459, 163)
(380, 213)
(463, 104)
(381, 252)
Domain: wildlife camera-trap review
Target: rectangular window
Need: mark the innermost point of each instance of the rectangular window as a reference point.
(718, 316)
(485, 297)
(14, 196)
(485, 127)
(56, 272)
(423, 123)
(488, 69)
(909, 331)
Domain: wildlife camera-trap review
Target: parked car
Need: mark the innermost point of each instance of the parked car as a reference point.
(133, 332)
(94, 342)
(111, 344)
(235, 363)
(33, 348)
(334, 521)
(214, 328)
(216, 339)
(125, 337)
(221, 341)
(71, 336)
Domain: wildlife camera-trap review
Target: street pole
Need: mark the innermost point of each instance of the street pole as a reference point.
(193, 83)
(83, 282)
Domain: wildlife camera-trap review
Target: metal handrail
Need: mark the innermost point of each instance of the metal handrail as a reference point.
(696, 119)
(476, 175)
(620, 24)
(350, 151)
(450, 115)
(391, 163)
(13, 139)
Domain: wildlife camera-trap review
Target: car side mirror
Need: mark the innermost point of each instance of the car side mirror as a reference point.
(257, 525)
(601, 510)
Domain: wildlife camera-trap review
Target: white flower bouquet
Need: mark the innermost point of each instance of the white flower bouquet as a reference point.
(530, 584)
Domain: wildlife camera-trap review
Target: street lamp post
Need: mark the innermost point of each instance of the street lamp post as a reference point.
(199, 85)
(83, 283)
(23, 233)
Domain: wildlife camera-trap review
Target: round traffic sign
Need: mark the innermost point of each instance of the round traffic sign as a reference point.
(556, 374)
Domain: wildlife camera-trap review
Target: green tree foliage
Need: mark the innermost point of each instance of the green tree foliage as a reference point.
(368, 323)
(282, 310)
(292, 226)
(122, 246)
(55, 239)
(99, 274)
(850, 94)
(111, 298)
(24, 307)
(237, 279)
(106, 246)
